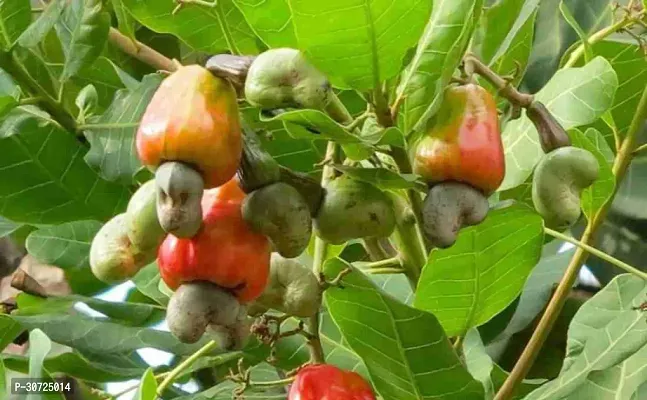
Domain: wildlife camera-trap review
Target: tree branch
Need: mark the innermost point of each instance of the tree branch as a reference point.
(141, 52)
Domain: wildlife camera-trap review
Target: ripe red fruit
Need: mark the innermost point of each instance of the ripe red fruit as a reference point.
(464, 143)
(193, 118)
(225, 251)
(327, 382)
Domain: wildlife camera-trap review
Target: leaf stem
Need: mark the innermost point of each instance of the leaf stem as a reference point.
(393, 262)
(141, 52)
(606, 257)
(545, 325)
(231, 44)
(170, 377)
(595, 38)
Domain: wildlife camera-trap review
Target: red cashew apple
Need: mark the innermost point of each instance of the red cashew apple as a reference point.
(225, 251)
(327, 382)
(193, 118)
(464, 142)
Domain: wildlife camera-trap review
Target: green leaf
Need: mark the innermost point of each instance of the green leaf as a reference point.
(595, 196)
(147, 281)
(359, 43)
(7, 86)
(37, 31)
(383, 178)
(584, 39)
(557, 35)
(375, 134)
(534, 296)
(83, 31)
(67, 246)
(15, 17)
(495, 25)
(277, 31)
(9, 330)
(123, 312)
(203, 28)
(86, 366)
(147, 387)
(483, 272)
(576, 97)
(125, 21)
(99, 336)
(440, 50)
(405, 350)
(606, 331)
(39, 348)
(45, 180)
(317, 126)
(3, 381)
(8, 227)
(112, 135)
(224, 390)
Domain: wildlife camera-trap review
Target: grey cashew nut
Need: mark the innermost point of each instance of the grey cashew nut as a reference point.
(557, 184)
(199, 305)
(292, 289)
(179, 197)
(280, 78)
(448, 208)
(280, 212)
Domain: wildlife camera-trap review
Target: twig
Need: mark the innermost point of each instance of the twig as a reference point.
(606, 257)
(502, 85)
(141, 52)
(168, 380)
(529, 355)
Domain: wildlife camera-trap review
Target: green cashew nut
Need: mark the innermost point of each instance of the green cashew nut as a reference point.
(144, 229)
(450, 206)
(179, 197)
(113, 258)
(280, 212)
(195, 306)
(280, 78)
(557, 184)
(352, 210)
(292, 289)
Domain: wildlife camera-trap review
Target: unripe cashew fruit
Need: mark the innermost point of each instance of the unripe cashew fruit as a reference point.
(280, 78)
(196, 305)
(464, 143)
(179, 196)
(144, 229)
(112, 257)
(257, 167)
(193, 118)
(352, 210)
(280, 212)
(450, 206)
(226, 251)
(557, 184)
(292, 289)
(552, 134)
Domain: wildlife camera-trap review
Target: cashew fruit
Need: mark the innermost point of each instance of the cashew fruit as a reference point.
(113, 258)
(353, 209)
(292, 289)
(280, 78)
(464, 142)
(450, 206)
(257, 167)
(226, 251)
(179, 197)
(557, 184)
(193, 118)
(144, 230)
(328, 382)
(280, 212)
(197, 305)
(551, 133)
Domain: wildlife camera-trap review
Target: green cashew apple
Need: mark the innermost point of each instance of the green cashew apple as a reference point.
(450, 206)
(280, 78)
(113, 258)
(292, 289)
(280, 212)
(179, 197)
(144, 229)
(194, 306)
(557, 184)
(352, 210)
(257, 167)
